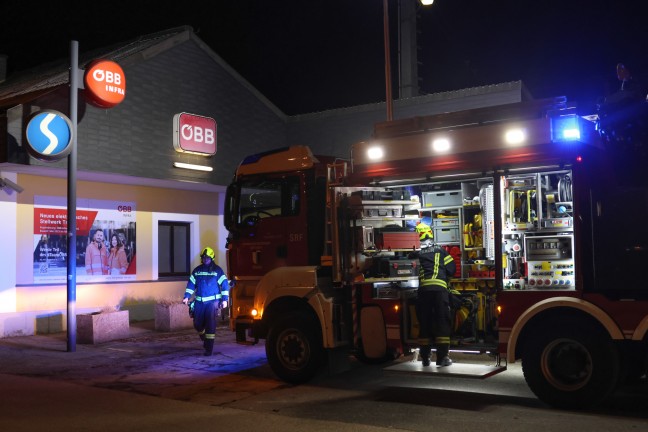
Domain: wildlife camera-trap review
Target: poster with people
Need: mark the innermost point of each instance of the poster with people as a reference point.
(105, 240)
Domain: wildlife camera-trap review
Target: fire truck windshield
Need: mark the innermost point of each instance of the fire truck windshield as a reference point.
(253, 199)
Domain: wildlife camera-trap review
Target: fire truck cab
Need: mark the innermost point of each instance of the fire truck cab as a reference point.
(544, 220)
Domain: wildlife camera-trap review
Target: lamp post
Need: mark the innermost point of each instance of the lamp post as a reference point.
(388, 87)
(388, 82)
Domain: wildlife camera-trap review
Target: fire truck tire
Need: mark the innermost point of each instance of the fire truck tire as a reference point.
(570, 366)
(294, 348)
(634, 363)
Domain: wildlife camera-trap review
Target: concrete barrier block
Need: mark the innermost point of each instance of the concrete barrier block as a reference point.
(102, 327)
(172, 317)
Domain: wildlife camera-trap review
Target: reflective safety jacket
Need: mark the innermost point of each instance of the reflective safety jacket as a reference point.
(436, 267)
(208, 283)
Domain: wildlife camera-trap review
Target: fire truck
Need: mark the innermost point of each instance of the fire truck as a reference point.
(545, 219)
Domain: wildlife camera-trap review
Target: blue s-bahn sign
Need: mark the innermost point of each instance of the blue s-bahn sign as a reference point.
(49, 135)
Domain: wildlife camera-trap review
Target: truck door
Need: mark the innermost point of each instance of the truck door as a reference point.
(621, 241)
(270, 226)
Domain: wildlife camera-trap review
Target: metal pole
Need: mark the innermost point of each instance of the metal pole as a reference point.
(71, 200)
(388, 87)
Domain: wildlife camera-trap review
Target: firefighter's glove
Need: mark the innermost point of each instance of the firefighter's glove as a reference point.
(191, 309)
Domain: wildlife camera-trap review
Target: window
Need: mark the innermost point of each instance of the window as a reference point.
(269, 197)
(173, 249)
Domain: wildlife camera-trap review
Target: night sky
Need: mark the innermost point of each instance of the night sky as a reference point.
(312, 55)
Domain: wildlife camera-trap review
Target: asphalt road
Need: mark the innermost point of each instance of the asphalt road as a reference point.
(166, 375)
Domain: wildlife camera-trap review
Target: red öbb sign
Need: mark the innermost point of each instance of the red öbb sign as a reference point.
(194, 134)
(105, 83)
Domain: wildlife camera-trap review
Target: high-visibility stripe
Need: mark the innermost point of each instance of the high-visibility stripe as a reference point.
(225, 293)
(442, 340)
(210, 336)
(212, 273)
(433, 279)
(206, 299)
(189, 291)
(432, 282)
(221, 279)
(192, 279)
(435, 274)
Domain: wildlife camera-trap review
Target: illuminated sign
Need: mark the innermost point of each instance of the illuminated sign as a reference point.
(105, 83)
(194, 134)
(49, 135)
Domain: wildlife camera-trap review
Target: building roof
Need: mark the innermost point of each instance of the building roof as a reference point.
(32, 83)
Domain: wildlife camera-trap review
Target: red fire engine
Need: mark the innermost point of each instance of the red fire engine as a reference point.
(544, 220)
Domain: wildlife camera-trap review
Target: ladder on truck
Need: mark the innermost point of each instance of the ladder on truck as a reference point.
(335, 172)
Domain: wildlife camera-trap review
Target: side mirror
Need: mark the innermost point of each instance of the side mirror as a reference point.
(231, 206)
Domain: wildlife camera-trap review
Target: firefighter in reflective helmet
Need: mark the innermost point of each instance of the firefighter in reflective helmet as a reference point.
(433, 299)
(209, 288)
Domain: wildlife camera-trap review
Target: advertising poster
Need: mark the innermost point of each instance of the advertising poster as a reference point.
(105, 240)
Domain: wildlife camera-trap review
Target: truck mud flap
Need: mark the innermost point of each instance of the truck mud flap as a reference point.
(459, 370)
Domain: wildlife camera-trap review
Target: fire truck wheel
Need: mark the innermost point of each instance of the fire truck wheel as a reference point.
(294, 349)
(570, 366)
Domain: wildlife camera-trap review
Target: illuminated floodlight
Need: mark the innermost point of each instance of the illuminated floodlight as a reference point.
(375, 152)
(515, 136)
(441, 145)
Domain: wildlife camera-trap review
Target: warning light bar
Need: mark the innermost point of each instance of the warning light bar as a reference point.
(566, 128)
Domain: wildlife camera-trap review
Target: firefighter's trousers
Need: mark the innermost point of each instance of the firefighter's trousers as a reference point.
(205, 323)
(433, 312)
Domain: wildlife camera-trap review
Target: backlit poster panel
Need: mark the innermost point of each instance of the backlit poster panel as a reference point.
(105, 240)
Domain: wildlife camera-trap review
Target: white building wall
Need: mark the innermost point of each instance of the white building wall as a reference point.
(11, 322)
(8, 250)
(28, 308)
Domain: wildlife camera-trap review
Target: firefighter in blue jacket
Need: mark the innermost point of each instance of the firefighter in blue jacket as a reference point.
(433, 299)
(209, 288)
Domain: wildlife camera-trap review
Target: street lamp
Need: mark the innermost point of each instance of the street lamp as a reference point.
(388, 81)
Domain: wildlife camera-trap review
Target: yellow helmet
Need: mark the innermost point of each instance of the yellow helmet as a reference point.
(424, 231)
(208, 252)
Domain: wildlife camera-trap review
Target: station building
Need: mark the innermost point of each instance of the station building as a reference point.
(133, 184)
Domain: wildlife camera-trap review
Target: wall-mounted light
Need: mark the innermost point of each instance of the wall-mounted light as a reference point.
(192, 166)
(6, 183)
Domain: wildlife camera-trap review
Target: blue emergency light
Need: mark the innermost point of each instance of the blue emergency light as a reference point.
(566, 128)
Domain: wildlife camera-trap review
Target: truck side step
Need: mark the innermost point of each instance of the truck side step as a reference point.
(460, 370)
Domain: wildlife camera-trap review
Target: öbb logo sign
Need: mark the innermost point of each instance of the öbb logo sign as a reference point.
(197, 134)
(194, 134)
(105, 83)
